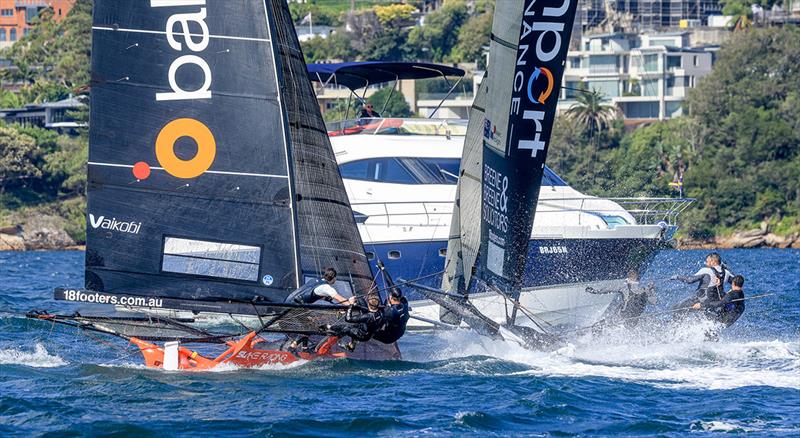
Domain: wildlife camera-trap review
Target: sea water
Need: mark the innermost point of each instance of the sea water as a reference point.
(654, 379)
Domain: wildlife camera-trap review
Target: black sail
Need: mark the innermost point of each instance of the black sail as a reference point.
(327, 231)
(210, 174)
(507, 141)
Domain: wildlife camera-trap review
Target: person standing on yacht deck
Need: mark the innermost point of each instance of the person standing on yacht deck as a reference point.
(368, 112)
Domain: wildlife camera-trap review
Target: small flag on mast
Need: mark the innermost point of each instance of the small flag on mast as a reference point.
(678, 185)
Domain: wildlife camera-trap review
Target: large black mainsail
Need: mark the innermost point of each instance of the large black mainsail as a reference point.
(506, 146)
(211, 176)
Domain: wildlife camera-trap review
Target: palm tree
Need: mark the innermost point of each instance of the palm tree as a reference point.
(589, 110)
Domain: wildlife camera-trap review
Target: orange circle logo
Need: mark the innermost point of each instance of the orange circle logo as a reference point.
(165, 148)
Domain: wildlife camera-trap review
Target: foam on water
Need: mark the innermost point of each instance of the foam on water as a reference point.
(675, 358)
(38, 358)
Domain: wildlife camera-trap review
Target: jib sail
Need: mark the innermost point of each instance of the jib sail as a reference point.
(210, 174)
(506, 146)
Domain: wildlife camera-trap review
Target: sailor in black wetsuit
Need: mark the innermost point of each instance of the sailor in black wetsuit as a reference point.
(710, 282)
(361, 328)
(395, 318)
(635, 298)
(728, 309)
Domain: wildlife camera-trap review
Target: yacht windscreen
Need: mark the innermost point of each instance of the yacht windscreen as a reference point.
(551, 179)
(418, 170)
(405, 170)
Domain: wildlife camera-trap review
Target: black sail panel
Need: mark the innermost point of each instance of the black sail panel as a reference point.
(327, 231)
(190, 193)
(529, 49)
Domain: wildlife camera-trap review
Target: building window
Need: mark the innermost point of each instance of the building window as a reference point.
(2, 34)
(670, 86)
(13, 36)
(651, 62)
(666, 42)
(603, 64)
(674, 109)
(6, 12)
(31, 12)
(641, 110)
(607, 88)
(674, 62)
(649, 87)
(26, 31)
(696, 60)
(575, 62)
(571, 89)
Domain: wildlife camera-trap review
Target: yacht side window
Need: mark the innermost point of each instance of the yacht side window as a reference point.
(355, 170)
(395, 173)
(388, 170)
(406, 170)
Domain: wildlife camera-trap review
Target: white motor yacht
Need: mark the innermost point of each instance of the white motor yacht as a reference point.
(401, 175)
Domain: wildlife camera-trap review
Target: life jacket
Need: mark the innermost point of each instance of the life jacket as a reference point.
(718, 291)
(306, 295)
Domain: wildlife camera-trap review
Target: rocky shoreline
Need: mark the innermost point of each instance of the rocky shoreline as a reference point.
(757, 238)
(47, 233)
(40, 232)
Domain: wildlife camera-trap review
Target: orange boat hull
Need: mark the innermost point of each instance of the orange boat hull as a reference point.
(242, 353)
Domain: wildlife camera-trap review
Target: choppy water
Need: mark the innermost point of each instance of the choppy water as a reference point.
(666, 381)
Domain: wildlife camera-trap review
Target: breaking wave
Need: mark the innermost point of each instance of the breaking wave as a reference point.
(38, 358)
(672, 358)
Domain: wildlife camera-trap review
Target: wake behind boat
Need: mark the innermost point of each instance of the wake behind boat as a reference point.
(213, 187)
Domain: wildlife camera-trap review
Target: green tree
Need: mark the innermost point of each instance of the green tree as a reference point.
(436, 38)
(590, 111)
(18, 157)
(53, 59)
(396, 106)
(472, 38)
(748, 167)
(66, 165)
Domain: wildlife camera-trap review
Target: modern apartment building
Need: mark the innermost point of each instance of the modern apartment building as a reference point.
(16, 16)
(649, 14)
(647, 76)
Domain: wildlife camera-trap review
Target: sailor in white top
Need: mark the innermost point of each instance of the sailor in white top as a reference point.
(321, 290)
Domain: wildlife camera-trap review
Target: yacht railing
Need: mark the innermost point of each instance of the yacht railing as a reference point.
(646, 211)
(397, 126)
(654, 210)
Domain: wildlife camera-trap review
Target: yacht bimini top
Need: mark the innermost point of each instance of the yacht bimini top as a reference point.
(357, 75)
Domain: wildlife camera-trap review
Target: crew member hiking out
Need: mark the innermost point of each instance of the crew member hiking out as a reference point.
(313, 291)
(360, 328)
(634, 299)
(321, 289)
(728, 309)
(395, 318)
(710, 281)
